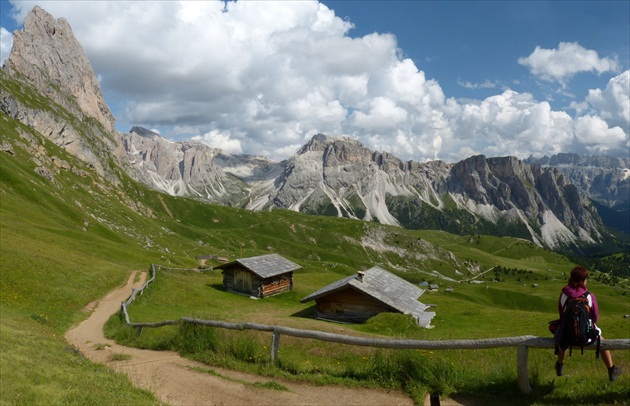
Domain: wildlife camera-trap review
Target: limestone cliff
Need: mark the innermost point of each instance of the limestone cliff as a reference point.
(49, 85)
(47, 54)
(61, 98)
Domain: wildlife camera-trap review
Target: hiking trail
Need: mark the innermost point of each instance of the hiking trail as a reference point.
(178, 381)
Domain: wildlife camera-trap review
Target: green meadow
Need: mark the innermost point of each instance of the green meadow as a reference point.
(470, 311)
(67, 241)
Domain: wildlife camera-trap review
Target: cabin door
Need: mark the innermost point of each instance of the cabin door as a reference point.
(242, 281)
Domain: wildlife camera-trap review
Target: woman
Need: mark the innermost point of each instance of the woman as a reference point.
(575, 288)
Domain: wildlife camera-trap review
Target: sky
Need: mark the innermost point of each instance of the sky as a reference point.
(422, 80)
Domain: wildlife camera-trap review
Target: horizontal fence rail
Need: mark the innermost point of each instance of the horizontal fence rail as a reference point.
(523, 343)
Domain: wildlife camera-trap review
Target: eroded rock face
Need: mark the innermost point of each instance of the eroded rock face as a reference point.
(180, 168)
(47, 54)
(339, 176)
(328, 175)
(603, 179)
(50, 86)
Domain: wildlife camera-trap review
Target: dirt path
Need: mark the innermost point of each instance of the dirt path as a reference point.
(172, 380)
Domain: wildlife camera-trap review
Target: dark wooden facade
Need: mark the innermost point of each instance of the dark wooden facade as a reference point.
(260, 277)
(349, 305)
(241, 280)
(358, 297)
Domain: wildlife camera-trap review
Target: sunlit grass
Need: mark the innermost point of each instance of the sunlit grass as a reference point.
(471, 311)
(66, 242)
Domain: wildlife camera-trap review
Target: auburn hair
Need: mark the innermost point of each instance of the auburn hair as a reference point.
(578, 277)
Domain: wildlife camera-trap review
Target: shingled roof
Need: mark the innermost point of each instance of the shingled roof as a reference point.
(384, 287)
(265, 266)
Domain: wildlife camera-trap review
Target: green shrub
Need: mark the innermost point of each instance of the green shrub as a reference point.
(193, 339)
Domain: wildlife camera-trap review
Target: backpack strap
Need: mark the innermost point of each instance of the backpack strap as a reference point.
(599, 339)
(563, 301)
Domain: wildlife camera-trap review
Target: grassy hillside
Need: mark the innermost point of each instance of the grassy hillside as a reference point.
(68, 235)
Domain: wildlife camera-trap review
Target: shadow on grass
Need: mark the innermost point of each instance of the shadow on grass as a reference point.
(308, 313)
(216, 286)
(503, 393)
(507, 393)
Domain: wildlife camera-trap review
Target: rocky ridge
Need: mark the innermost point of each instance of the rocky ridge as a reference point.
(603, 179)
(339, 176)
(179, 169)
(46, 56)
(329, 175)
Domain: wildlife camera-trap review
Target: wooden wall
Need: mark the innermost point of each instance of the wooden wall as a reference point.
(349, 305)
(259, 287)
(277, 284)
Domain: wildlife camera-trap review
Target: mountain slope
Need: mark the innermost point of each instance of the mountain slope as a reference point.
(330, 175)
(340, 177)
(605, 180)
(73, 223)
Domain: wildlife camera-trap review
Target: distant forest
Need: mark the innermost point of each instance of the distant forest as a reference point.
(617, 265)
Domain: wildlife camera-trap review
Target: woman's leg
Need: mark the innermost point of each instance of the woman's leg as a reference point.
(561, 357)
(560, 363)
(607, 358)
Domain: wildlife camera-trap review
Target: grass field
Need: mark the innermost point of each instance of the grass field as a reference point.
(68, 240)
(471, 311)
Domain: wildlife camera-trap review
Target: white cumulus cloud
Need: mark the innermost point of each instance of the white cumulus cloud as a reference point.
(613, 103)
(261, 77)
(511, 124)
(6, 42)
(217, 139)
(596, 137)
(561, 64)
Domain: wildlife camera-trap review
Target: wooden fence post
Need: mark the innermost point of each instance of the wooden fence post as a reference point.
(522, 369)
(275, 346)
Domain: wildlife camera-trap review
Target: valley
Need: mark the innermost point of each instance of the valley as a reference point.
(77, 215)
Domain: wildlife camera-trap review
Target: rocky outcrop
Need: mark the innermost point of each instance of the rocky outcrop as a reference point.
(339, 176)
(603, 179)
(180, 169)
(48, 84)
(47, 54)
(505, 196)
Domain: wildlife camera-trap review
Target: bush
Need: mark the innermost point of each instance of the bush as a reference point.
(193, 338)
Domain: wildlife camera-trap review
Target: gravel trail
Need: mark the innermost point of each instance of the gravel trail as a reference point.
(174, 381)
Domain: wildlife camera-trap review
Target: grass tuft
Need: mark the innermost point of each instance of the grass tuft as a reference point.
(119, 357)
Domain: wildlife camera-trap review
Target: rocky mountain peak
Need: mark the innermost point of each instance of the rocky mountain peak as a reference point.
(329, 175)
(47, 54)
(143, 132)
(576, 160)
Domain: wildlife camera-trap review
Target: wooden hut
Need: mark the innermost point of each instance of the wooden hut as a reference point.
(358, 297)
(260, 276)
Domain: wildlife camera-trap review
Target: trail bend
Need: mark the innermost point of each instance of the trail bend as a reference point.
(174, 381)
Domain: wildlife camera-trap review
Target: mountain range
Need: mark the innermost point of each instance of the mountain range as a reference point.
(559, 202)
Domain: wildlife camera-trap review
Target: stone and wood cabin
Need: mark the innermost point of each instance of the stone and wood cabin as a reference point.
(358, 297)
(260, 276)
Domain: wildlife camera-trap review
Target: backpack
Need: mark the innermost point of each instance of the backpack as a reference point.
(577, 327)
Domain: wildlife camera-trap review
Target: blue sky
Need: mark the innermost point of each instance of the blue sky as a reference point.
(422, 80)
(478, 42)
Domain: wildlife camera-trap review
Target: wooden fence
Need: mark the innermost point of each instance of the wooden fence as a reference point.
(522, 343)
